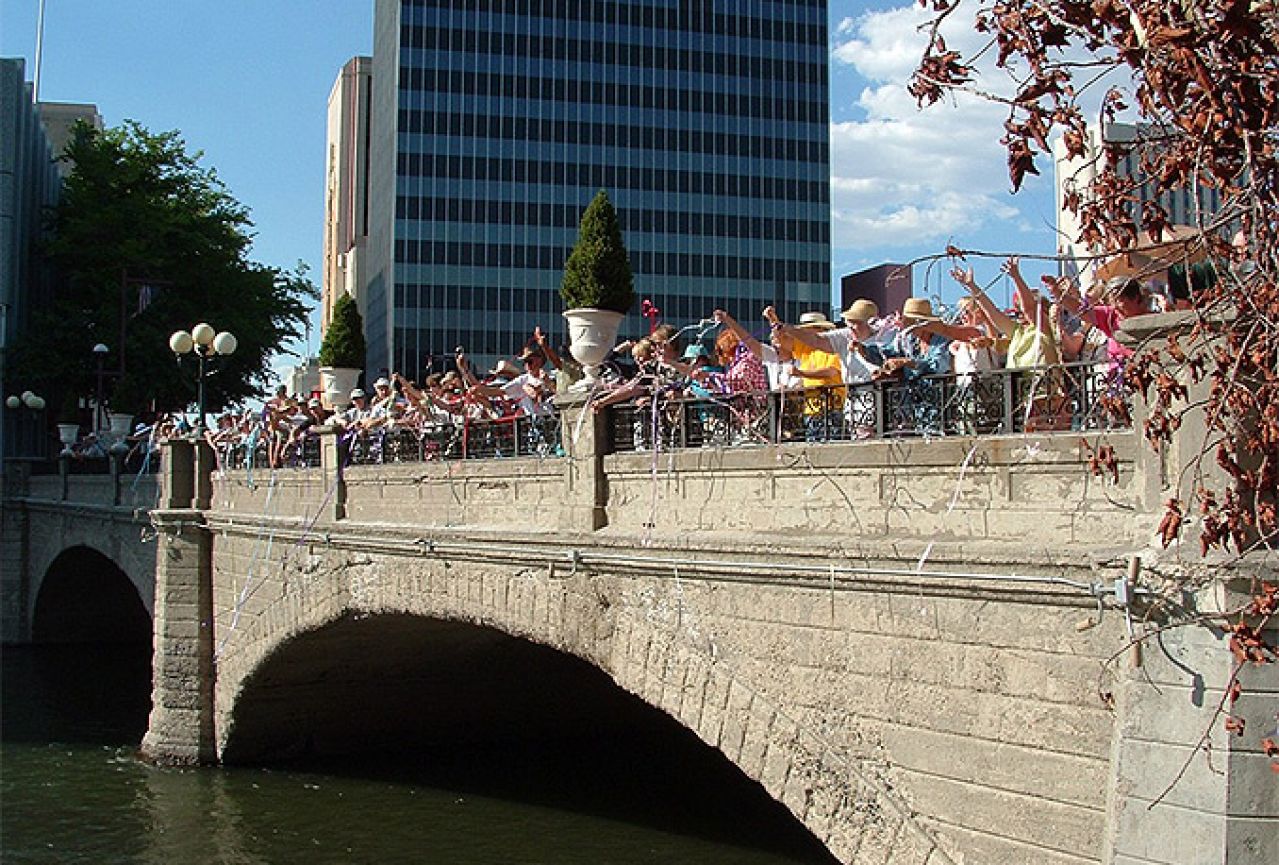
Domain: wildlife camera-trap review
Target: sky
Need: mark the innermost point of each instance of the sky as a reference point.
(247, 83)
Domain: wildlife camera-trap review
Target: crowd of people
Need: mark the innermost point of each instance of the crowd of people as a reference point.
(912, 371)
(507, 411)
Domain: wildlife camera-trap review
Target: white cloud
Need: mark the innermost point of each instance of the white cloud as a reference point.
(900, 175)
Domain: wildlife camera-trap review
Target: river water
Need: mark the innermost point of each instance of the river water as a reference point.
(72, 790)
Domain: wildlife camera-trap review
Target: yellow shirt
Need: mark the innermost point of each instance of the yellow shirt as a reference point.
(818, 401)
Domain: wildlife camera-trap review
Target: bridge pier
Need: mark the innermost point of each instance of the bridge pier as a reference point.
(181, 727)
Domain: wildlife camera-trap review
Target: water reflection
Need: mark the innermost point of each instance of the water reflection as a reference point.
(74, 791)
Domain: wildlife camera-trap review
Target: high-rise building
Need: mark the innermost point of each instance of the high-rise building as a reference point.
(346, 184)
(30, 184)
(494, 124)
(1185, 206)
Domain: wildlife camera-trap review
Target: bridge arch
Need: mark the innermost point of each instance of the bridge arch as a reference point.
(83, 596)
(644, 649)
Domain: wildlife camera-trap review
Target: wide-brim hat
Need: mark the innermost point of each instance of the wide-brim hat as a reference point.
(815, 320)
(381, 383)
(356, 394)
(862, 310)
(505, 368)
(918, 309)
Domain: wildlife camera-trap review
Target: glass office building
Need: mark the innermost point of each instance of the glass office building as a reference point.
(495, 122)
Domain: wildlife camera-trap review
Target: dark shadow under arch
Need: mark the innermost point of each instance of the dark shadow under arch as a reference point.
(468, 708)
(86, 598)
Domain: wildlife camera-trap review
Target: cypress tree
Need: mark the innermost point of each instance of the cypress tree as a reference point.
(343, 344)
(598, 271)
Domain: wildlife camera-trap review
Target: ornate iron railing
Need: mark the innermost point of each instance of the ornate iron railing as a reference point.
(1058, 398)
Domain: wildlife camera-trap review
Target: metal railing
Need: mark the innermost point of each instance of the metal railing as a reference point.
(1057, 398)
(254, 452)
(509, 437)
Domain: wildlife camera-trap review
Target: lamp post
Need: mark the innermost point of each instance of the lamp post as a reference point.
(207, 345)
(100, 352)
(32, 402)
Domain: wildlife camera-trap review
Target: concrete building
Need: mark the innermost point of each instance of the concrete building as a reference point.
(304, 378)
(29, 183)
(346, 184)
(494, 125)
(59, 119)
(886, 284)
(1185, 207)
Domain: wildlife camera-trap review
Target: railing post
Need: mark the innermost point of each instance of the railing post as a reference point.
(206, 464)
(115, 462)
(584, 437)
(331, 458)
(1010, 403)
(880, 395)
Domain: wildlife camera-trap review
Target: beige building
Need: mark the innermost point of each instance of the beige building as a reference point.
(59, 118)
(346, 201)
(1185, 207)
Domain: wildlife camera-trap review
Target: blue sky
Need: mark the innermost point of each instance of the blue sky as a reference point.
(247, 82)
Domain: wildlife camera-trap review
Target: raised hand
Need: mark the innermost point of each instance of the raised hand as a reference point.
(964, 277)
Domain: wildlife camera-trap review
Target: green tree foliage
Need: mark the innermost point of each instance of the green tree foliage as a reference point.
(598, 271)
(138, 210)
(343, 344)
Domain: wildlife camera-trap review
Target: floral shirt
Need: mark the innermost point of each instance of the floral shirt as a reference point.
(745, 373)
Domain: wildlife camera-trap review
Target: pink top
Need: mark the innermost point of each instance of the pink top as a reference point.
(1108, 321)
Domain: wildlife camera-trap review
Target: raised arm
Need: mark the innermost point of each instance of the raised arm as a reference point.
(464, 369)
(810, 338)
(411, 393)
(1026, 299)
(544, 345)
(997, 318)
(742, 333)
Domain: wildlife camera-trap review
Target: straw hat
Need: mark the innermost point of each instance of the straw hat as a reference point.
(862, 310)
(815, 320)
(506, 369)
(918, 309)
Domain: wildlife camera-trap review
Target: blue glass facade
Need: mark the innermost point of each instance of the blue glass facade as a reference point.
(706, 122)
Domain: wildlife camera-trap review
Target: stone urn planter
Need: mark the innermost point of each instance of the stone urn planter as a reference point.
(121, 425)
(68, 433)
(592, 333)
(336, 382)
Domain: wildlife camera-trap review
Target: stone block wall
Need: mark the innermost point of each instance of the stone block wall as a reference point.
(994, 489)
(953, 721)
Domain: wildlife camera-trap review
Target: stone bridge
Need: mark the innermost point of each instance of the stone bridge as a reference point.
(919, 648)
(77, 557)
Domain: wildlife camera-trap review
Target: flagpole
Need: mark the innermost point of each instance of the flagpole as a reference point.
(35, 86)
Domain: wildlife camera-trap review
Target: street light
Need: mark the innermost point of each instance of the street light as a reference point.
(100, 352)
(207, 345)
(28, 399)
(24, 427)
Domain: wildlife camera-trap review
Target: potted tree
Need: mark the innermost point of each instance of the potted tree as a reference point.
(342, 353)
(598, 288)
